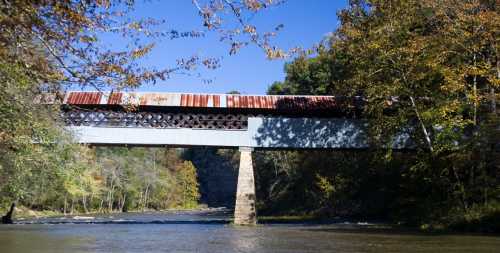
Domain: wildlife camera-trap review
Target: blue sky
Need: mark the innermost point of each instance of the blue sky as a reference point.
(306, 22)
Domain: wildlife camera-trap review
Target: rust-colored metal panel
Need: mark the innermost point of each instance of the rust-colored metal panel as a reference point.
(197, 100)
(216, 100)
(115, 98)
(190, 100)
(251, 101)
(94, 98)
(207, 97)
(244, 102)
(269, 102)
(84, 98)
(204, 100)
(274, 102)
(194, 100)
(256, 101)
(236, 101)
(183, 100)
(262, 102)
(70, 98)
(201, 101)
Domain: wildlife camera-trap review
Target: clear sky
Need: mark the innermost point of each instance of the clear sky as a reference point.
(305, 22)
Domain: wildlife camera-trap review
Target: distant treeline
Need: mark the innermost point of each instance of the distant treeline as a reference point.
(69, 178)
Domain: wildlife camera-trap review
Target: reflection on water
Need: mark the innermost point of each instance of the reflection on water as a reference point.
(210, 232)
(245, 239)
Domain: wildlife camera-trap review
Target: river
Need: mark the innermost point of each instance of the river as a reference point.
(209, 231)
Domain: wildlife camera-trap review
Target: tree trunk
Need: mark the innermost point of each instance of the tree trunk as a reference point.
(146, 195)
(493, 95)
(101, 204)
(65, 208)
(140, 200)
(424, 129)
(463, 198)
(493, 101)
(474, 90)
(72, 206)
(84, 203)
(110, 197)
(110, 201)
(7, 218)
(123, 203)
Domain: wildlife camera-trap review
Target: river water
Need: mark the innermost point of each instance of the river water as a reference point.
(209, 231)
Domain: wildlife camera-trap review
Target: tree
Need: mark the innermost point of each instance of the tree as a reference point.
(48, 45)
(439, 60)
(58, 42)
(429, 68)
(188, 181)
(324, 74)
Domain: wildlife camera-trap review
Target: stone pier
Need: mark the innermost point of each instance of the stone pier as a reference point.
(244, 210)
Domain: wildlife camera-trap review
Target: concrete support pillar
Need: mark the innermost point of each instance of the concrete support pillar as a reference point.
(244, 210)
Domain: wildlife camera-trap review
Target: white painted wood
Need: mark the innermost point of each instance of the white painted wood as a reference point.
(261, 133)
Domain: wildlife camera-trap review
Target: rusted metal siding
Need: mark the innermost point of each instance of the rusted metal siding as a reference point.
(83, 98)
(216, 100)
(114, 98)
(200, 100)
(298, 103)
(281, 102)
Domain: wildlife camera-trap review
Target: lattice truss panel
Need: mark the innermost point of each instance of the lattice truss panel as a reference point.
(105, 118)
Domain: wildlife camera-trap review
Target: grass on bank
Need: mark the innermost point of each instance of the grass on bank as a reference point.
(22, 212)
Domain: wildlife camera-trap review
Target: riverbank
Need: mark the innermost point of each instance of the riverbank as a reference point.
(486, 224)
(24, 213)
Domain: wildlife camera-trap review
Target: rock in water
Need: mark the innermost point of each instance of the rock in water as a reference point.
(83, 218)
